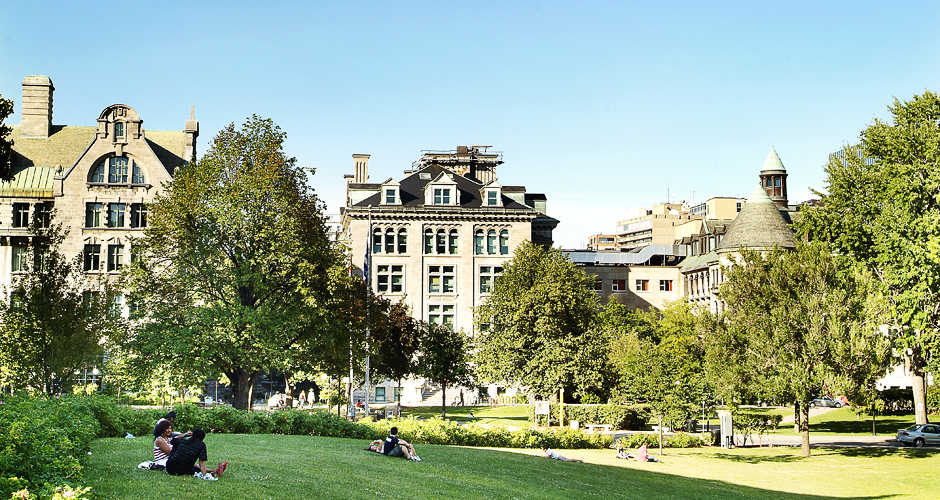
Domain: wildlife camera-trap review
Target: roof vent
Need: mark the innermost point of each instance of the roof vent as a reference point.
(424, 176)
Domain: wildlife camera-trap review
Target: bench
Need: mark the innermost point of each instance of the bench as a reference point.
(595, 427)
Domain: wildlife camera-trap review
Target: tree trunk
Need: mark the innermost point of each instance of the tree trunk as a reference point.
(660, 418)
(918, 386)
(444, 400)
(288, 393)
(804, 429)
(242, 382)
(874, 432)
(796, 417)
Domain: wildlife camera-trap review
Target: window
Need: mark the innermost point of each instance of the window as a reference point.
(118, 130)
(598, 285)
(42, 258)
(488, 276)
(379, 394)
(389, 196)
(504, 242)
(133, 308)
(441, 279)
(440, 242)
(117, 171)
(428, 241)
(116, 214)
(441, 315)
(138, 215)
(389, 240)
(138, 174)
(98, 174)
(376, 240)
(442, 196)
(44, 214)
(21, 215)
(642, 285)
(492, 198)
(777, 182)
(478, 242)
(491, 242)
(665, 285)
(93, 214)
(115, 257)
(135, 254)
(452, 240)
(618, 285)
(402, 241)
(116, 304)
(19, 258)
(92, 257)
(390, 279)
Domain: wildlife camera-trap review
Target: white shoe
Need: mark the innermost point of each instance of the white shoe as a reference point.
(416, 458)
(206, 476)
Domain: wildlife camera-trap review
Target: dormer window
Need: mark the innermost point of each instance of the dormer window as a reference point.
(492, 198)
(389, 196)
(442, 196)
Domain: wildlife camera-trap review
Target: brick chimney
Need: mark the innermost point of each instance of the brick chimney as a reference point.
(37, 106)
(362, 168)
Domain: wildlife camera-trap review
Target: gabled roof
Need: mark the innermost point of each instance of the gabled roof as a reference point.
(760, 225)
(411, 191)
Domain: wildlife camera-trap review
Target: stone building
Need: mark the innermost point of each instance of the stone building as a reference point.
(440, 236)
(98, 179)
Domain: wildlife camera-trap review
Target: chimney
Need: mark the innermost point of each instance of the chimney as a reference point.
(192, 132)
(37, 106)
(362, 168)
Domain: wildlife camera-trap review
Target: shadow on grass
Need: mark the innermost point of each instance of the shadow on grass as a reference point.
(755, 459)
(879, 452)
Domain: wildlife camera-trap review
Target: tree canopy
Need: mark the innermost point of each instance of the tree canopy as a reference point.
(538, 325)
(796, 323)
(234, 265)
(882, 207)
(444, 358)
(6, 145)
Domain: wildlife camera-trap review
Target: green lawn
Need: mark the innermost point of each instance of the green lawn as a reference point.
(274, 466)
(506, 416)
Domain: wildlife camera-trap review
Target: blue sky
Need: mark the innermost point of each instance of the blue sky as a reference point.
(604, 107)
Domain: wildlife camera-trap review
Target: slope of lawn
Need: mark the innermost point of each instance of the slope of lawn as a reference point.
(506, 416)
(274, 466)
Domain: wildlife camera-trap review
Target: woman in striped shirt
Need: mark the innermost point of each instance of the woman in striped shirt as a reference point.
(161, 443)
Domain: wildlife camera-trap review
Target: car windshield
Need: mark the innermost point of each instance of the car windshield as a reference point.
(913, 427)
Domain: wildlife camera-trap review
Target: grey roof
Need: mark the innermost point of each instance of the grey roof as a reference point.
(616, 257)
(760, 225)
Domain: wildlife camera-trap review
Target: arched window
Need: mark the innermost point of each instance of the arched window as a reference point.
(504, 242)
(491, 242)
(117, 171)
(402, 241)
(478, 242)
(452, 242)
(377, 241)
(390, 240)
(428, 241)
(441, 243)
(138, 174)
(98, 174)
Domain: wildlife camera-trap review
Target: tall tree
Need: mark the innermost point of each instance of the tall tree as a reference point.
(799, 322)
(444, 358)
(6, 145)
(53, 319)
(396, 339)
(234, 263)
(538, 325)
(658, 358)
(882, 207)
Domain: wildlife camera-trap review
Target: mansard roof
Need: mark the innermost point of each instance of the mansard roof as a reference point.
(411, 191)
(760, 225)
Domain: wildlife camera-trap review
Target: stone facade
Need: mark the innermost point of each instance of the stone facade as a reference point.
(98, 179)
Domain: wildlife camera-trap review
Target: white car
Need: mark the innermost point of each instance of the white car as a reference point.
(919, 435)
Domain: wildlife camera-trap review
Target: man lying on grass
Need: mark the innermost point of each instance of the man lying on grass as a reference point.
(550, 453)
(185, 452)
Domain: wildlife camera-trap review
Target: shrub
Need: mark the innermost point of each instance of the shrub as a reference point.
(897, 401)
(678, 440)
(437, 431)
(618, 416)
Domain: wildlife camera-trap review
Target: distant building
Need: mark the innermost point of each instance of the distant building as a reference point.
(602, 242)
(656, 226)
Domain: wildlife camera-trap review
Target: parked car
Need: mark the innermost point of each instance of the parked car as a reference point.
(919, 435)
(825, 402)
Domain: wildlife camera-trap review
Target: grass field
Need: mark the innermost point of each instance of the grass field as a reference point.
(506, 416)
(286, 467)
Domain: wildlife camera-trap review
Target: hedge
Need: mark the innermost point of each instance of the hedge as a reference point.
(617, 416)
(678, 440)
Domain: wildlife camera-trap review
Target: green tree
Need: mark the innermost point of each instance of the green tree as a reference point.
(882, 207)
(233, 266)
(538, 326)
(53, 319)
(396, 339)
(658, 359)
(6, 145)
(444, 359)
(797, 322)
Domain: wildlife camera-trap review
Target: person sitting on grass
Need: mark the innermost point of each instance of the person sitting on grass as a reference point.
(395, 447)
(550, 453)
(171, 418)
(161, 444)
(182, 459)
(641, 455)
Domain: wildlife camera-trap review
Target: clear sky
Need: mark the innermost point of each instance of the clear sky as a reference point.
(604, 107)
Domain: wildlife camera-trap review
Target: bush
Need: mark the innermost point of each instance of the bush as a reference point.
(897, 401)
(618, 416)
(678, 440)
(437, 431)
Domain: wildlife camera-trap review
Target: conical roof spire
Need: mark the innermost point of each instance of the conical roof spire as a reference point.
(759, 226)
(773, 163)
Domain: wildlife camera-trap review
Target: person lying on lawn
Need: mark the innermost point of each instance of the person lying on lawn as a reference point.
(550, 453)
(182, 460)
(376, 446)
(395, 447)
